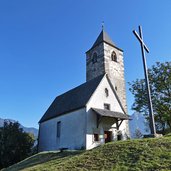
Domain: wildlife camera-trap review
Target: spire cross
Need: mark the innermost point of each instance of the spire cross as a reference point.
(102, 25)
(143, 46)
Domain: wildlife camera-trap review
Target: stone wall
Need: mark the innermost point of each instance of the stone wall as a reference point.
(94, 70)
(115, 71)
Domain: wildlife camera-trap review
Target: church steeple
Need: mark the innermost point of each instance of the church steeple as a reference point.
(104, 57)
(103, 37)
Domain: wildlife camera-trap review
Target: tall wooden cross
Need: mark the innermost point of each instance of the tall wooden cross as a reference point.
(143, 49)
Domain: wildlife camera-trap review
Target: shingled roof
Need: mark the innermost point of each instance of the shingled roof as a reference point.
(113, 114)
(103, 37)
(72, 100)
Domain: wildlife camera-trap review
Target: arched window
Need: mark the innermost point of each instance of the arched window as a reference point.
(106, 92)
(114, 56)
(94, 59)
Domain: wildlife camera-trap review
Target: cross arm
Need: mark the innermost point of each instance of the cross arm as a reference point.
(139, 38)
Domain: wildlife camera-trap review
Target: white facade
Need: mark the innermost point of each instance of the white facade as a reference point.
(98, 100)
(72, 134)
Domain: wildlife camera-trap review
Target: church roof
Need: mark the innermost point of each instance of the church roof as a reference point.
(113, 114)
(71, 100)
(103, 37)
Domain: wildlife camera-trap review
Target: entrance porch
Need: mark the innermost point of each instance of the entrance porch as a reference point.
(109, 126)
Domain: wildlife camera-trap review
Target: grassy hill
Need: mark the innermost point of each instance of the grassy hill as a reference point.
(138, 155)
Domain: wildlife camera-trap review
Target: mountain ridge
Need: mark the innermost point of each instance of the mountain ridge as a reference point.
(138, 122)
(32, 130)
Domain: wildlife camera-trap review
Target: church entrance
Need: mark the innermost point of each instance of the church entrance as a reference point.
(107, 136)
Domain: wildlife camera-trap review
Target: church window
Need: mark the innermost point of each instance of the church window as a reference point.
(114, 56)
(94, 59)
(106, 92)
(58, 129)
(106, 106)
(96, 137)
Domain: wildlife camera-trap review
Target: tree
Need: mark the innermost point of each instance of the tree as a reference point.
(160, 85)
(15, 145)
(138, 133)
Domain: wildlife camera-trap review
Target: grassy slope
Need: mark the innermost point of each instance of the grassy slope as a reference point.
(146, 154)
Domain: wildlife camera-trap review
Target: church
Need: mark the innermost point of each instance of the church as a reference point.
(93, 113)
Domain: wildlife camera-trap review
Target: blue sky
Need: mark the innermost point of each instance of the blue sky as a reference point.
(43, 45)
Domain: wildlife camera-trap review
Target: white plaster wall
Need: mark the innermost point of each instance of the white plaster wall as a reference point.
(99, 98)
(107, 124)
(73, 132)
(124, 129)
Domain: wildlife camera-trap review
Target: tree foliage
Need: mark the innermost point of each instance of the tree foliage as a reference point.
(138, 133)
(160, 85)
(15, 145)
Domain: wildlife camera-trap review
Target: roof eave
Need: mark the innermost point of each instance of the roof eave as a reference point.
(122, 117)
(43, 120)
(106, 43)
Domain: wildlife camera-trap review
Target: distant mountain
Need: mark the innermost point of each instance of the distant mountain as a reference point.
(32, 130)
(139, 122)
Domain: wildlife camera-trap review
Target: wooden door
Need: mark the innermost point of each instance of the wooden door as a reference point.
(107, 136)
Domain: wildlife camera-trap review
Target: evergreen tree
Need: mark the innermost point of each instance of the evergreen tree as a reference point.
(15, 145)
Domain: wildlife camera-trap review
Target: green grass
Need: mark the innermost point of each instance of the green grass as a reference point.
(132, 155)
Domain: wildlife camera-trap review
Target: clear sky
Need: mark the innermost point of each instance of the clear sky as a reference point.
(43, 45)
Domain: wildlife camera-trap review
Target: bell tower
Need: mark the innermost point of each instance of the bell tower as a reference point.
(104, 57)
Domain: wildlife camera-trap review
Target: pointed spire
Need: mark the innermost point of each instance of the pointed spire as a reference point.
(103, 37)
(102, 25)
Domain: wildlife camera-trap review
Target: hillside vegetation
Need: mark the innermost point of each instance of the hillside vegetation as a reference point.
(145, 154)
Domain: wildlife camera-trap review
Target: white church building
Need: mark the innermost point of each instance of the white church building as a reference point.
(93, 113)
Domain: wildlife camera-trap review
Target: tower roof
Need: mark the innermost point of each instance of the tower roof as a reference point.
(103, 37)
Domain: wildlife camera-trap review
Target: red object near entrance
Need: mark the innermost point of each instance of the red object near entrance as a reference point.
(107, 136)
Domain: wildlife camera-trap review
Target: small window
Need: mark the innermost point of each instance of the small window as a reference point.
(106, 92)
(116, 88)
(114, 56)
(96, 137)
(94, 59)
(106, 106)
(58, 129)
